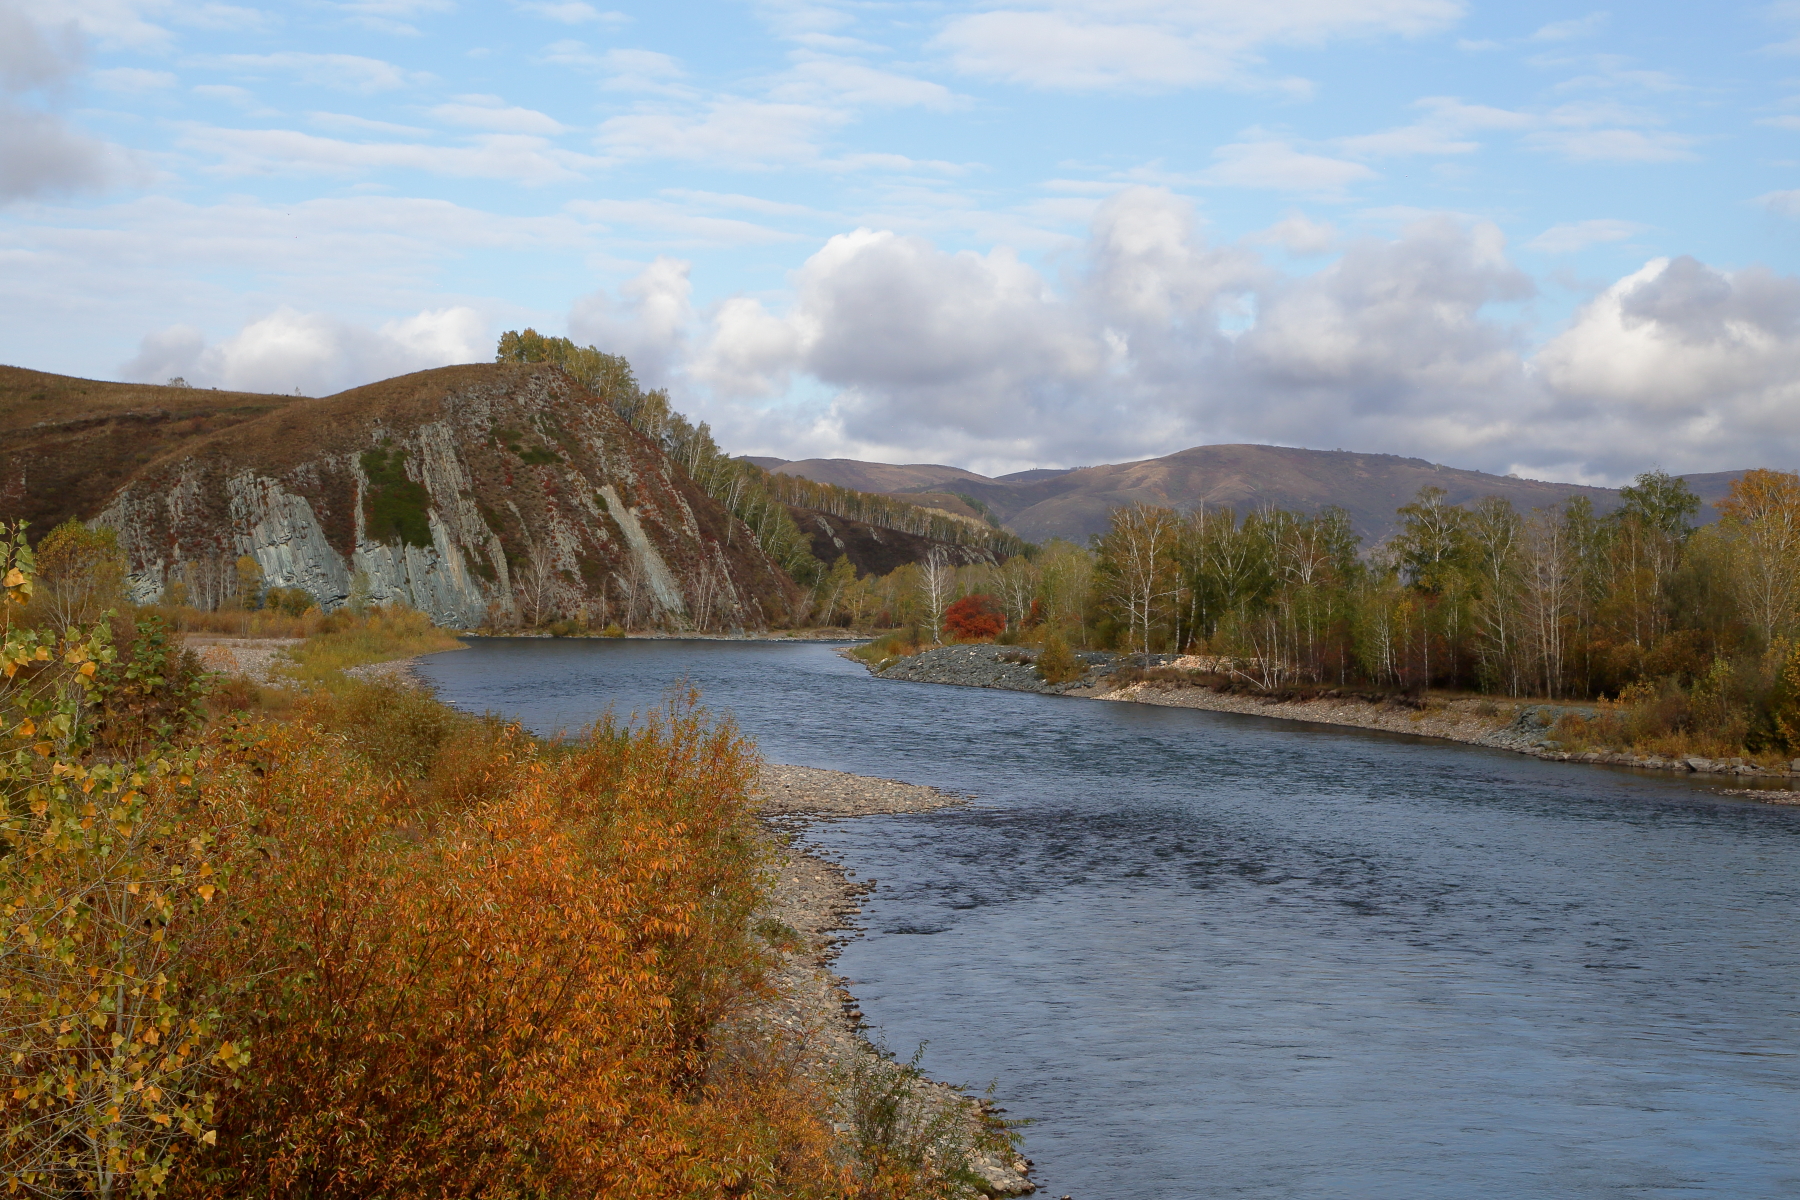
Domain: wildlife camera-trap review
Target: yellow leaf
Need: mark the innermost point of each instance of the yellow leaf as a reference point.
(206, 892)
(15, 577)
(87, 668)
(27, 728)
(210, 1137)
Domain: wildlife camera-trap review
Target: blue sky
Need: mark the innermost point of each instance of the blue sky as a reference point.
(1539, 238)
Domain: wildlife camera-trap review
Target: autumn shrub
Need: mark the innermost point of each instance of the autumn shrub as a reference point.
(236, 622)
(507, 989)
(974, 618)
(1056, 663)
(892, 645)
(1748, 705)
(112, 887)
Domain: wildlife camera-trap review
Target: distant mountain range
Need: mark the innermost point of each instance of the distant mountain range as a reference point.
(1073, 503)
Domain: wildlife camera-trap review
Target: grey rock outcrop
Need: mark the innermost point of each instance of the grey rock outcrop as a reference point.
(473, 494)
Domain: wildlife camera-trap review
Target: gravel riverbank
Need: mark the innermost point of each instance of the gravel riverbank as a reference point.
(1526, 728)
(821, 903)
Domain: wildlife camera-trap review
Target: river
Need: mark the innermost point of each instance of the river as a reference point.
(1211, 955)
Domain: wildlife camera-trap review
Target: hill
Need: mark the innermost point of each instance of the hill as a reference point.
(877, 477)
(70, 441)
(464, 491)
(1046, 503)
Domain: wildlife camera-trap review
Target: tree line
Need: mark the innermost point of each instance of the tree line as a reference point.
(1691, 627)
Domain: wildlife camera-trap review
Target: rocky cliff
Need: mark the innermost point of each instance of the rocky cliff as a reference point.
(474, 493)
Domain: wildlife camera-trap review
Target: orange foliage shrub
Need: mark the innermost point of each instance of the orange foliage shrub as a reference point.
(504, 979)
(975, 617)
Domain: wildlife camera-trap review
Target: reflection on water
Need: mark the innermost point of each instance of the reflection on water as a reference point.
(1214, 955)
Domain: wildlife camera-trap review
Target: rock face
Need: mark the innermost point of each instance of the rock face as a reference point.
(475, 493)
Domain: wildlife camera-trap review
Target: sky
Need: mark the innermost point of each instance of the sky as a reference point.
(1531, 238)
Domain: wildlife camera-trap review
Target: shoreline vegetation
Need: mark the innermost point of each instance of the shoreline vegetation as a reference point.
(1527, 727)
(315, 933)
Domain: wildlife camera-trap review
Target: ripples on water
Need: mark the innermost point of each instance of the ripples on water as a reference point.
(1221, 956)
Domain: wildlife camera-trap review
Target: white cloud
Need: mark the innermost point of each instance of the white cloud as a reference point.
(1278, 166)
(570, 12)
(112, 24)
(1574, 236)
(1563, 31)
(1683, 362)
(1161, 341)
(678, 222)
(1443, 129)
(829, 79)
(391, 16)
(1297, 234)
(1090, 45)
(491, 112)
(521, 159)
(729, 131)
(648, 322)
(351, 123)
(316, 353)
(340, 72)
(639, 71)
(41, 154)
(1615, 145)
(133, 79)
(1783, 204)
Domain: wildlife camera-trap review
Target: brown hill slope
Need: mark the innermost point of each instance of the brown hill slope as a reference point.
(465, 491)
(69, 442)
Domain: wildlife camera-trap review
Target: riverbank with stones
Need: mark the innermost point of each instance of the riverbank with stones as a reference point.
(263, 661)
(1525, 728)
(820, 904)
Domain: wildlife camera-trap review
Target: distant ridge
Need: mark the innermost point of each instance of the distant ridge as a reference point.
(1073, 503)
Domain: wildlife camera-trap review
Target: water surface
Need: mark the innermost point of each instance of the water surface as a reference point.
(1223, 956)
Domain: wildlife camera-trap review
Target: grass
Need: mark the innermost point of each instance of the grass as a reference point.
(233, 622)
(345, 639)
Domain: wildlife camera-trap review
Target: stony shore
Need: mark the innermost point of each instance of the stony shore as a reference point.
(821, 902)
(1525, 728)
(260, 661)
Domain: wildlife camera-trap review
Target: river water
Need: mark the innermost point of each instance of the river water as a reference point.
(1211, 955)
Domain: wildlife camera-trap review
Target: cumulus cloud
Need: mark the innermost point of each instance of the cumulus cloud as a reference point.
(1094, 45)
(1159, 339)
(647, 322)
(312, 353)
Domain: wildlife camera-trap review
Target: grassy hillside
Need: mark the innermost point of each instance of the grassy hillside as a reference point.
(71, 442)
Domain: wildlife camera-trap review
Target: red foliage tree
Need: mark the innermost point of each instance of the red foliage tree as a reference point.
(974, 617)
